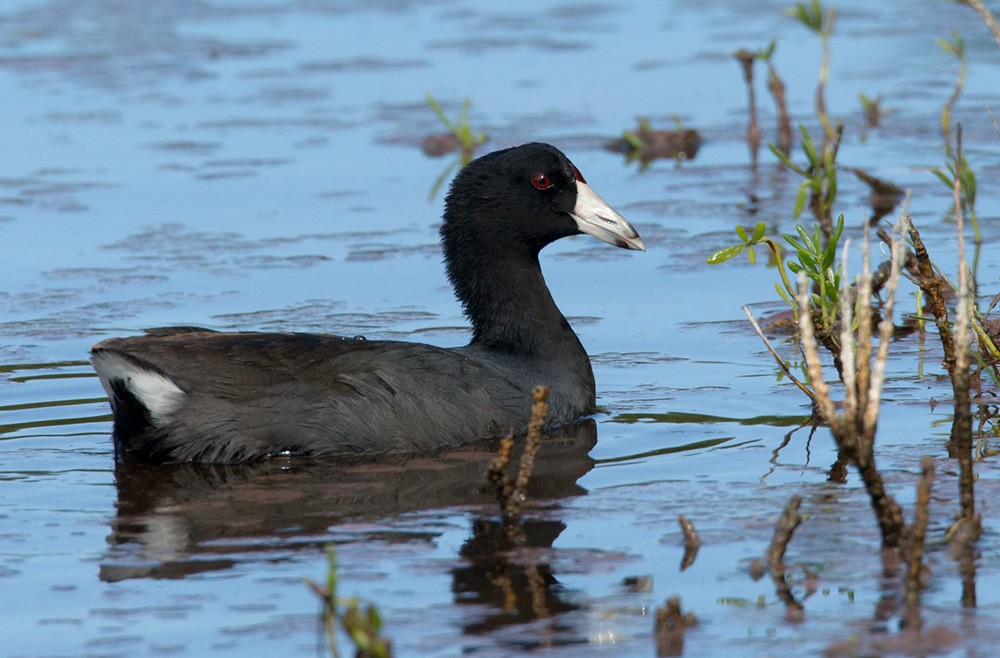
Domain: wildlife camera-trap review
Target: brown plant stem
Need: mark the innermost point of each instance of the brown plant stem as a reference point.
(512, 493)
(774, 354)
(746, 60)
(692, 542)
(496, 472)
(777, 88)
(915, 536)
(961, 429)
(854, 428)
(775, 556)
(671, 622)
(533, 441)
(963, 547)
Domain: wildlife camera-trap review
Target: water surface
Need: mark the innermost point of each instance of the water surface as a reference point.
(257, 166)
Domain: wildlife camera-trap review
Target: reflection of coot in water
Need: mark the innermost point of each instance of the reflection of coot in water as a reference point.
(188, 394)
(177, 519)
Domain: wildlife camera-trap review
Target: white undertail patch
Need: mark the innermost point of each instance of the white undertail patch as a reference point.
(157, 393)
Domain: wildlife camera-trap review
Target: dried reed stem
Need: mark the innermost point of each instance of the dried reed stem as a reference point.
(496, 472)
(781, 364)
(512, 494)
(961, 430)
(854, 427)
(986, 15)
(533, 441)
(777, 88)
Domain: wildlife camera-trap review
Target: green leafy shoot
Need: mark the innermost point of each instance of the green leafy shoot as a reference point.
(817, 258)
(821, 22)
(813, 17)
(819, 184)
(748, 241)
(765, 53)
(813, 255)
(955, 47)
(960, 170)
(362, 627)
(634, 137)
(461, 127)
(873, 108)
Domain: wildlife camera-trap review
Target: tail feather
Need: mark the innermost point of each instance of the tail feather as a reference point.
(141, 397)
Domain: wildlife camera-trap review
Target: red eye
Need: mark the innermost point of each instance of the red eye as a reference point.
(542, 181)
(578, 175)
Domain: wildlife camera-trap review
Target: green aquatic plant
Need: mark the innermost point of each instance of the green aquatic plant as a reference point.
(362, 627)
(461, 127)
(873, 108)
(460, 137)
(634, 138)
(864, 353)
(820, 21)
(814, 255)
(955, 47)
(819, 177)
(958, 175)
(646, 144)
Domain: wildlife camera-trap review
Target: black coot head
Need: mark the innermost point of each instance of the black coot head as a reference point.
(518, 200)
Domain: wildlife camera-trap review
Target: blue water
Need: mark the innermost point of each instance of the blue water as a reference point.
(257, 166)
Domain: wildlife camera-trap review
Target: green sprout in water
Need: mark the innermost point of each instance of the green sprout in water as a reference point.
(819, 184)
(634, 137)
(814, 255)
(821, 22)
(461, 127)
(958, 170)
(362, 627)
(873, 108)
(955, 47)
(646, 144)
(460, 136)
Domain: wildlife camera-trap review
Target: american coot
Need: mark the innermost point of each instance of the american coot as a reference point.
(183, 393)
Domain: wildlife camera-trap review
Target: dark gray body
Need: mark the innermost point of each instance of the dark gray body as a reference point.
(249, 395)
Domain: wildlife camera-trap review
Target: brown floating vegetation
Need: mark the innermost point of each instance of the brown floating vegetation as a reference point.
(884, 198)
(646, 144)
(460, 135)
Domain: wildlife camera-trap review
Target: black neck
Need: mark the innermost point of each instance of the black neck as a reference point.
(510, 306)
